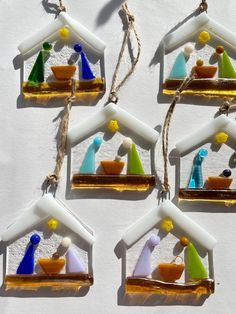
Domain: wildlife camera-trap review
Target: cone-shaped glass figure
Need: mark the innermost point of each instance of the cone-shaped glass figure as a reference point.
(179, 70)
(73, 263)
(226, 68)
(134, 163)
(195, 267)
(196, 180)
(26, 266)
(87, 73)
(89, 165)
(143, 266)
(37, 73)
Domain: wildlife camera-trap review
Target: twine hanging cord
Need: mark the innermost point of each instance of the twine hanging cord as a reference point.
(115, 87)
(203, 7)
(54, 177)
(165, 132)
(226, 107)
(61, 6)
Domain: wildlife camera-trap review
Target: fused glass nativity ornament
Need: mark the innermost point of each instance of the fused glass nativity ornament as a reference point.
(62, 50)
(116, 149)
(204, 48)
(174, 255)
(200, 154)
(48, 246)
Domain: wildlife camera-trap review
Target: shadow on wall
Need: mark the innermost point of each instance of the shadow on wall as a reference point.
(107, 11)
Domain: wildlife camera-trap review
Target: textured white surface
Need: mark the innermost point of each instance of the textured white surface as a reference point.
(28, 144)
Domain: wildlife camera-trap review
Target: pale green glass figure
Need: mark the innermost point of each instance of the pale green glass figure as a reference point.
(134, 163)
(226, 68)
(195, 267)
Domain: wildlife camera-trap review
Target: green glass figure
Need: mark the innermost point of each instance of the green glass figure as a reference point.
(37, 73)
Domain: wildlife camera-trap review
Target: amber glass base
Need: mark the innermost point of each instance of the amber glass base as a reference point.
(56, 282)
(205, 87)
(227, 196)
(149, 286)
(114, 182)
(63, 89)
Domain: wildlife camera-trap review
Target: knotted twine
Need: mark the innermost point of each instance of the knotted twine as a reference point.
(115, 87)
(166, 128)
(54, 177)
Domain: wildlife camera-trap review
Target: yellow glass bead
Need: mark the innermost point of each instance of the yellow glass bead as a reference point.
(221, 138)
(199, 62)
(167, 225)
(204, 37)
(53, 224)
(113, 126)
(64, 32)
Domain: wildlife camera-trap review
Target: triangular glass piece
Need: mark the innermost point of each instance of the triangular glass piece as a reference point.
(73, 263)
(196, 269)
(26, 266)
(143, 266)
(179, 70)
(88, 164)
(134, 163)
(87, 73)
(227, 70)
(37, 73)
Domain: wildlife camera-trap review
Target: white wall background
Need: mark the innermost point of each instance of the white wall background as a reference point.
(27, 151)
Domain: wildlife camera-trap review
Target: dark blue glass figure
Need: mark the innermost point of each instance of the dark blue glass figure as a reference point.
(87, 73)
(196, 180)
(26, 266)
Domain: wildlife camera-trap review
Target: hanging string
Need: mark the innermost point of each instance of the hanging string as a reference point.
(115, 87)
(226, 107)
(166, 127)
(203, 7)
(54, 177)
(61, 7)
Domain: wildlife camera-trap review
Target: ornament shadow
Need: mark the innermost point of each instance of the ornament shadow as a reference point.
(106, 12)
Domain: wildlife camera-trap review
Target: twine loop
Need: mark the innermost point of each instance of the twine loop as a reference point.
(224, 108)
(113, 97)
(54, 178)
(165, 132)
(203, 7)
(115, 86)
(61, 6)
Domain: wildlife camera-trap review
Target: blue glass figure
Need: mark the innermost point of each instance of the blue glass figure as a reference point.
(26, 266)
(88, 165)
(179, 70)
(196, 180)
(87, 73)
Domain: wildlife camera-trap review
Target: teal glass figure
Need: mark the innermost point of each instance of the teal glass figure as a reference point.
(88, 164)
(37, 73)
(196, 179)
(179, 70)
(26, 266)
(87, 73)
